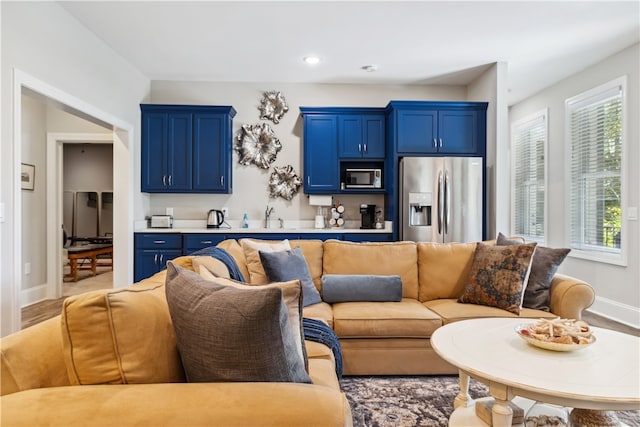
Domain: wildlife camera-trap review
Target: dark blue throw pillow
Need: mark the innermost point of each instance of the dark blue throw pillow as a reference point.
(283, 266)
(361, 287)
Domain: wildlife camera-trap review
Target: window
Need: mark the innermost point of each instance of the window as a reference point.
(528, 153)
(595, 143)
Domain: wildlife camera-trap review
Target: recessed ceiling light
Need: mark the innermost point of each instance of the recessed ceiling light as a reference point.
(370, 68)
(311, 60)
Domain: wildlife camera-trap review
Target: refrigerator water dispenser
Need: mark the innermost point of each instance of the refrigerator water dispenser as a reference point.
(420, 209)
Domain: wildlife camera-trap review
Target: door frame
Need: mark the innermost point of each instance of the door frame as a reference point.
(55, 187)
(123, 154)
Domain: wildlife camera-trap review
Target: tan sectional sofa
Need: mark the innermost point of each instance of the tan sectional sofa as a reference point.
(111, 357)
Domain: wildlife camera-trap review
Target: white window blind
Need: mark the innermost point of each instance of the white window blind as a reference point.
(528, 148)
(595, 138)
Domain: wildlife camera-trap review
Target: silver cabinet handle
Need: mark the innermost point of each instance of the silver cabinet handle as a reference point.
(206, 242)
(359, 148)
(435, 143)
(170, 183)
(164, 180)
(161, 259)
(440, 142)
(365, 148)
(222, 180)
(155, 258)
(159, 242)
(308, 180)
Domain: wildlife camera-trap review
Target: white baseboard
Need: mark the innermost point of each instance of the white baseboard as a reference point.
(617, 311)
(33, 295)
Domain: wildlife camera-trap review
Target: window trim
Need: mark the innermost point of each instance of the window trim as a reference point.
(599, 255)
(538, 115)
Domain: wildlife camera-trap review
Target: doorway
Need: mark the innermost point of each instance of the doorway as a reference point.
(121, 134)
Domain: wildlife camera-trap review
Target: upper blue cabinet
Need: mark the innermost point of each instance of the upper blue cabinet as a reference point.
(336, 137)
(186, 149)
(457, 128)
(361, 136)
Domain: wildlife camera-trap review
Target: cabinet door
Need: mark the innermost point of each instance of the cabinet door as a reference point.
(416, 131)
(350, 136)
(321, 173)
(374, 136)
(154, 150)
(458, 132)
(195, 242)
(149, 261)
(179, 154)
(210, 172)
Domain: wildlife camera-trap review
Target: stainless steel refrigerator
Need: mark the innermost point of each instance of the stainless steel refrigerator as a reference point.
(441, 199)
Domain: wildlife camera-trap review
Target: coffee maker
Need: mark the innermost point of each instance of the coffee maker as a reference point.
(368, 214)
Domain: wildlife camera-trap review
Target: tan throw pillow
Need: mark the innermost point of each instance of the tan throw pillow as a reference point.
(293, 296)
(229, 334)
(257, 276)
(122, 336)
(214, 266)
(498, 276)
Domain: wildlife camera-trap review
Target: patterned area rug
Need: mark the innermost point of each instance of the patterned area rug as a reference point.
(406, 401)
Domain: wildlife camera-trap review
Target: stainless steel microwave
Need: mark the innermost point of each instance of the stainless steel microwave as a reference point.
(363, 178)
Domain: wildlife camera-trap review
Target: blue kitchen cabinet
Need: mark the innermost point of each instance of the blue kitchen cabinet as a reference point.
(186, 149)
(152, 251)
(166, 152)
(368, 237)
(192, 242)
(320, 154)
(439, 128)
(361, 136)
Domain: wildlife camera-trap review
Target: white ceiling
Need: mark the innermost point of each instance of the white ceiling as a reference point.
(415, 42)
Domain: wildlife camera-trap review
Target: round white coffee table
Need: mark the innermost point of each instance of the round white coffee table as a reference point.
(604, 376)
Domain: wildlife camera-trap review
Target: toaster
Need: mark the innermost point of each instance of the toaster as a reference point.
(161, 221)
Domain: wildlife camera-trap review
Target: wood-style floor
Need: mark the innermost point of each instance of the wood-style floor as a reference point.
(47, 309)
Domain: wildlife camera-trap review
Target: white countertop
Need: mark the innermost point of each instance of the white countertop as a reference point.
(233, 226)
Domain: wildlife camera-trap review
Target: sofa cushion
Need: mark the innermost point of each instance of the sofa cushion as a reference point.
(361, 287)
(250, 247)
(291, 294)
(121, 336)
(443, 269)
(229, 334)
(407, 318)
(290, 265)
(234, 249)
(450, 310)
(321, 311)
(378, 258)
(544, 265)
(498, 276)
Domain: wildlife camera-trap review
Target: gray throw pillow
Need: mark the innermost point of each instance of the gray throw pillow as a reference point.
(227, 334)
(361, 287)
(544, 265)
(291, 265)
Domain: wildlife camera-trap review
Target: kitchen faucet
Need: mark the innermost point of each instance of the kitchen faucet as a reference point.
(267, 216)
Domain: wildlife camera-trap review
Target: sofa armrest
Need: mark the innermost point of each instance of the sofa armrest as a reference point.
(570, 296)
(33, 358)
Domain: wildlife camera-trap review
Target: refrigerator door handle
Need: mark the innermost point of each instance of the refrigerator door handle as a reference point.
(440, 202)
(447, 202)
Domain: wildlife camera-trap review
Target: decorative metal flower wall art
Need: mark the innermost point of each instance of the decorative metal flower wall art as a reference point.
(273, 106)
(284, 182)
(257, 144)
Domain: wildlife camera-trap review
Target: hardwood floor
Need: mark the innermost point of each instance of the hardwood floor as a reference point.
(47, 309)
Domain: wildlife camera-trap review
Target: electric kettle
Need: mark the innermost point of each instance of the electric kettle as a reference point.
(215, 218)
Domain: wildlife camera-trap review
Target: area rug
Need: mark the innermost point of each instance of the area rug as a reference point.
(406, 401)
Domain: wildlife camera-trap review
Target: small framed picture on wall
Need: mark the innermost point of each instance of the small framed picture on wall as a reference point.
(27, 176)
